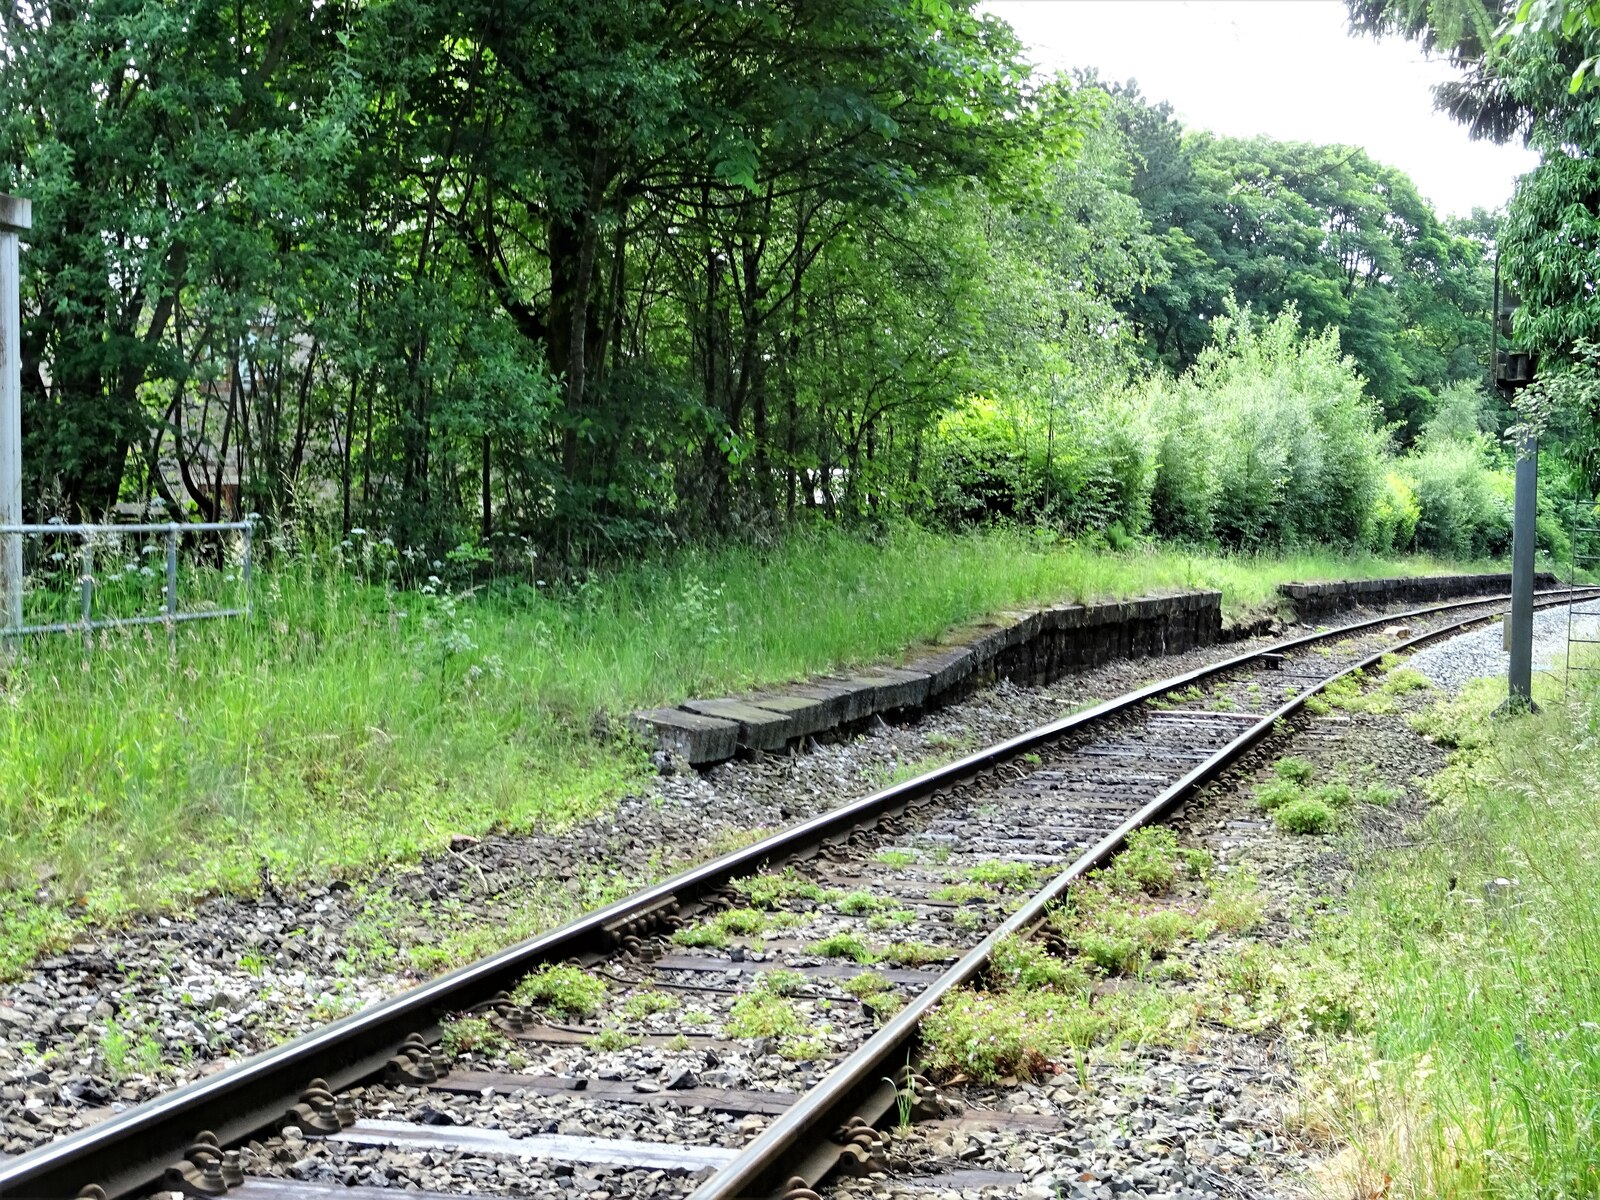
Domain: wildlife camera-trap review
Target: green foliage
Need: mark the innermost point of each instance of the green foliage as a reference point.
(1020, 964)
(1295, 770)
(914, 954)
(1006, 875)
(1382, 795)
(1475, 1010)
(776, 891)
(867, 983)
(1336, 795)
(844, 945)
(1149, 863)
(1268, 438)
(335, 734)
(570, 991)
(1235, 905)
(126, 1052)
(466, 1035)
(860, 903)
(763, 1014)
(783, 982)
(644, 1004)
(609, 1039)
(963, 893)
(1304, 814)
(1461, 512)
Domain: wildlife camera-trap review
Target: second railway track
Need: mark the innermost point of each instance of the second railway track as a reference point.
(737, 1030)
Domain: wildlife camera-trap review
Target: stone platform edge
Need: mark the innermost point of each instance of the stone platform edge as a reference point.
(1033, 646)
(1311, 602)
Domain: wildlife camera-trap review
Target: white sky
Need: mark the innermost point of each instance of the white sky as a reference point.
(1285, 68)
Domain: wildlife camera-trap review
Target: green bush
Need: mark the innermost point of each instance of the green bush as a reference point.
(1269, 438)
(1395, 514)
(1462, 511)
(1307, 814)
(1047, 461)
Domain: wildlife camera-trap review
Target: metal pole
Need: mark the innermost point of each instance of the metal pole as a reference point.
(172, 588)
(16, 216)
(86, 594)
(1523, 513)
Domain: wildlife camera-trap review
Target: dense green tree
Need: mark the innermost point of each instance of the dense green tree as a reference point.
(1349, 242)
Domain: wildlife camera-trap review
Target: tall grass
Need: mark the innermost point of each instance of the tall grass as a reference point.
(1484, 1077)
(353, 723)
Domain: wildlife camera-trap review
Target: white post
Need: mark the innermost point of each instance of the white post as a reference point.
(16, 216)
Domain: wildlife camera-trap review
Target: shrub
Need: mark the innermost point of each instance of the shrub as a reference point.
(858, 904)
(1382, 794)
(989, 1035)
(1150, 862)
(762, 1014)
(1296, 770)
(782, 981)
(774, 891)
(1395, 513)
(1002, 874)
(1019, 963)
(1269, 437)
(1461, 513)
(460, 1035)
(1335, 795)
(844, 945)
(563, 989)
(644, 1004)
(867, 983)
(1275, 793)
(1304, 815)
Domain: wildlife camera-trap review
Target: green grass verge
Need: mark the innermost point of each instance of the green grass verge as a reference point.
(352, 724)
(1480, 1074)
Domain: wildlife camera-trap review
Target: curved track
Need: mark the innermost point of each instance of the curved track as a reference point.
(1057, 801)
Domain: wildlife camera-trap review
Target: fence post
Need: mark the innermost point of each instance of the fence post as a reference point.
(16, 216)
(86, 590)
(172, 586)
(249, 558)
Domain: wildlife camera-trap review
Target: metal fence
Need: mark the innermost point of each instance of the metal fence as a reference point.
(92, 535)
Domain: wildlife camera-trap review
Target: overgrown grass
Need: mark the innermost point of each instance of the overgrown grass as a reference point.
(1483, 1067)
(352, 723)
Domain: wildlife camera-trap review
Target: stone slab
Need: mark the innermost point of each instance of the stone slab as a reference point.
(847, 700)
(944, 668)
(759, 728)
(805, 714)
(698, 738)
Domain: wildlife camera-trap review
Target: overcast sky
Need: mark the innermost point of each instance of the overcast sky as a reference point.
(1285, 68)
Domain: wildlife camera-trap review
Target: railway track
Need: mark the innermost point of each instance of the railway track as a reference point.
(741, 1029)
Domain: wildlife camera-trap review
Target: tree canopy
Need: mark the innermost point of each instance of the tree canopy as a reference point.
(608, 274)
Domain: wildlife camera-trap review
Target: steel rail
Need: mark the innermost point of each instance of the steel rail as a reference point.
(133, 1149)
(788, 1151)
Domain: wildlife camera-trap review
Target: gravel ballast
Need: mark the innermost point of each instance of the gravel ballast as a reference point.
(1481, 652)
